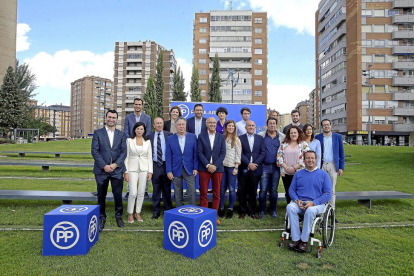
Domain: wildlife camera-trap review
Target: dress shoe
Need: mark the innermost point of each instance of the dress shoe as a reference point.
(303, 246)
(120, 222)
(101, 225)
(126, 196)
(229, 214)
(218, 221)
(130, 218)
(221, 213)
(294, 244)
(139, 218)
(155, 216)
(146, 195)
(254, 216)
(336, 221)
(94, 193)
(242, 216)
(262, 215)
(273, 214)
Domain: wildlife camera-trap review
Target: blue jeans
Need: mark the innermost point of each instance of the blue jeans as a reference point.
(293, 212)
(269, 182)
(228, 182)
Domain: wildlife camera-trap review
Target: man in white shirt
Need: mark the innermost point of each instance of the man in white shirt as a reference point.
(241, 125)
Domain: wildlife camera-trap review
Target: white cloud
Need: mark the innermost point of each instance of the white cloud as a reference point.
(22, 40)
(297, 14)
(236, 4)
(64, 67)
(284, 98)
(187, 69)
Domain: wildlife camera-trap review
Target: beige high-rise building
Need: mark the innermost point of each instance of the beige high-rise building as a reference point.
(285, 119)
(8, 27)
(91, 97)
(311, 116)
(239, 38)
(366, 53)
(303, 107)
(135, 62)
(55, 115)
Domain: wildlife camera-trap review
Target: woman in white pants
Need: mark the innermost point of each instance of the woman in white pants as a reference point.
(138, 169)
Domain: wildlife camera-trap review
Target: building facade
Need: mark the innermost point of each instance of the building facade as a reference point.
(135, 62)
(8, 27)
(55, 115)
(285, 119)
(365, 51)
(239, 38)
(311, 115)
(90, 98)
(303, 107)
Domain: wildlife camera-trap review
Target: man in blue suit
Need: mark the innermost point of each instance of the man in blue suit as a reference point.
(130, 121)
(160, 183)
(250, 170)
(109, 152)
(197, 124)
(182, 162)
(333, 156)
(211, 153)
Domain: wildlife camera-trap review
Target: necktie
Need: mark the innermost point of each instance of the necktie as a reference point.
(159, 151)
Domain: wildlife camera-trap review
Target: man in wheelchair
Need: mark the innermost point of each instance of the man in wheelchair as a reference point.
(311, 188)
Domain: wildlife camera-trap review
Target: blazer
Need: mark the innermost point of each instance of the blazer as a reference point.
(104, 154)
(167, 125)
(175, 159)
(130, 122)
(338, 150)
(138, 162)
(205, 152)
(257, 154)
(151, 138)
(190, 127)
(289, 125)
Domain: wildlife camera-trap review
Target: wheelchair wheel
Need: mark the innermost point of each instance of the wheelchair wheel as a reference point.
(328, 230)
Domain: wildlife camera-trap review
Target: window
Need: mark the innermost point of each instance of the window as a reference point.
(366, 13)
(392, 104)
(366, 58)
(148, 56)
(203, 41)
(203, 30)
(379, 43)
(379, 58)
(379, 89)
(258, 83)
(258, 30)
(203, 92)
(392, 28)
(366, 28)
(258, 93)
(379, 28)
(258, 72)
(202, 72)
(147, 64)
(202, 82)
(258, 20)
(379, 13)
(392, 12)
(258, 51)
(258, 41)
(202, 61)
(258, 61)
(203, 19)
(202, 51)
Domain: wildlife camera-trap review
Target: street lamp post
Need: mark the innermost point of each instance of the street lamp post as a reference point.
(368, 73)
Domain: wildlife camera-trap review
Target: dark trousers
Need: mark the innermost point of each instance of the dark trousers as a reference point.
(160, 185)
(247, 190)
(287, 179)
(102, 181)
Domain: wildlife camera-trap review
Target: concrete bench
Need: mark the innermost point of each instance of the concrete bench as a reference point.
(364, 198)
(57, 154)
(46, 166)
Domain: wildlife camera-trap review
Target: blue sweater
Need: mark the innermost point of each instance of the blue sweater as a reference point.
(313, 186)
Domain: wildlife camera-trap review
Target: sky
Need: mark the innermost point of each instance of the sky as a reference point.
(63, 40)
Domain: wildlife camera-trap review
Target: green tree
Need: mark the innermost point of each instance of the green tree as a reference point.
(214, 94)
(178, 85)
(195, 88)
(26, 81)
(183, 95)
(159, 85)
(150, 100)
(12, 104)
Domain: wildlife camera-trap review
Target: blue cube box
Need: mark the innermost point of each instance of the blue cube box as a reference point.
(190, 230)
(70, 230)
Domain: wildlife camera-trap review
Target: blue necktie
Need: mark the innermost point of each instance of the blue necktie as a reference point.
(159, 151)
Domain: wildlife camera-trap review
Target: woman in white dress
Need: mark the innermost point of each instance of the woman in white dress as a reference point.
(138, 169)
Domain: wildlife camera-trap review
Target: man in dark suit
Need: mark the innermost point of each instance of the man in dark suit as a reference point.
(211, 151)
(295, 115)
(182, 162)
(197, 124)
(250, 170)
(109, 152)
(160, 182)
(130, 121)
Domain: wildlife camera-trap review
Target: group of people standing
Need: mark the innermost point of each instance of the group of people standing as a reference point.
(223, 151)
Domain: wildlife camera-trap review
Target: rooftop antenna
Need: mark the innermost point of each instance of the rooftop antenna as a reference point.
(231, 5)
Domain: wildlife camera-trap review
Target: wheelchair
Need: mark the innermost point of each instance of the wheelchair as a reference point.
(323, 226)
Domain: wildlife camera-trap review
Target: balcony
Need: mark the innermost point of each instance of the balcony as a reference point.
(403, 111)
(231, 55)
(402, 18)
(402, 4)
(403, 95)
(400, 126)
(403, 64)
(403, 34)
(403, 81)
(403, 50)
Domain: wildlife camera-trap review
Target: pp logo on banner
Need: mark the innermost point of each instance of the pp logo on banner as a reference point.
(190, 211)
(205, 233)
(178, 234)
(93, 228)
(64, 235)
(74, 209)
(185, 110)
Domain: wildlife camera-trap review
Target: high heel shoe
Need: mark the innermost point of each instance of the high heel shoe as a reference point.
(139, 218)
(130, 216)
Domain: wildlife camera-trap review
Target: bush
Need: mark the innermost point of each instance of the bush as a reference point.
(6, 141)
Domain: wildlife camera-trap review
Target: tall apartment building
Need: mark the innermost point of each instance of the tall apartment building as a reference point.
(285, 119)
(239, 37)
(303, 107)
(55, 115)
(8, 25)
(375, 36)
(90, 98)
(135, 62)
(312, 110)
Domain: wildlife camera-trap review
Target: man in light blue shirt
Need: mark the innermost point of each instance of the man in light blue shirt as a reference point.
(241, 125)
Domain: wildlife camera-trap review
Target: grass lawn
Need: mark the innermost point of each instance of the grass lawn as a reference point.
(381, 251)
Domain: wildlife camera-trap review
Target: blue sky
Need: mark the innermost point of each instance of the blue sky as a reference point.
(66, 40)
